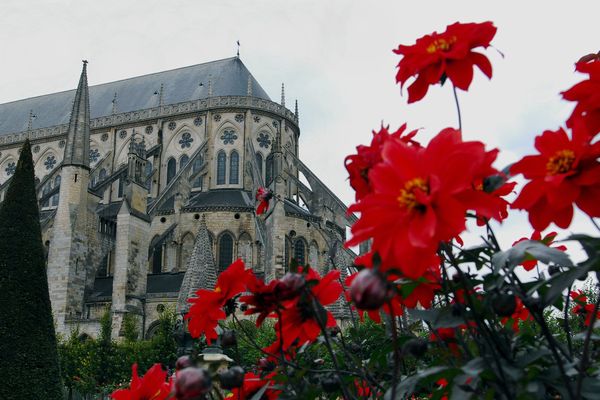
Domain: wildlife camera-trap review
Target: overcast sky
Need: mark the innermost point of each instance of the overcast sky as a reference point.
(335, 57)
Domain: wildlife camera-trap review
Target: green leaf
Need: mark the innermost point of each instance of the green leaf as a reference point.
(408, 385)
(474, 367)
(559, 282)
(529, 248)
(258, 395)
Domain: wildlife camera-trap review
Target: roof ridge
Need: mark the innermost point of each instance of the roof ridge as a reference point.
(130, 78)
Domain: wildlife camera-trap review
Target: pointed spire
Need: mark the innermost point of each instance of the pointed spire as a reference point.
(114, 104)
(201, 272)
(283, 94)
(296, 111)
(210, 89)
(77, 148)
(249, 91)
(160, 95)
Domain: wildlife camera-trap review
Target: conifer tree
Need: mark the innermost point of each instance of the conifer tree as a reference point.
(28, 351)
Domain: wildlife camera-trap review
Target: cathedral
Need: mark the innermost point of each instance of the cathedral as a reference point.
(147, 189)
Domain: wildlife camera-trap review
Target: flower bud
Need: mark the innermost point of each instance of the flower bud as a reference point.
(228, 338)
(368, 290)
(290, 285)
(415, 347)
(554, 269)
(330, 383)
(265, 365)
(504, 304)
(232, 378)
(192, 384)
(183, 362)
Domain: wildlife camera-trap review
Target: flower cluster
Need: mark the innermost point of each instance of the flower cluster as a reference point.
(583, 308)
(297, 302)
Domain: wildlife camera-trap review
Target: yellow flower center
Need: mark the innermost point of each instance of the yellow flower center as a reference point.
(408, 198)
(561, 162)
(441, 45)
(218, 289)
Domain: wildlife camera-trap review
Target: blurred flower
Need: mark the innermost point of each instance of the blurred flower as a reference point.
(152, 386)
(263, 195)
(586, 94)
(530, 262)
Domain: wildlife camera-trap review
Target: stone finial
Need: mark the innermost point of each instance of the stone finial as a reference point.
(77, 148)
(201, 272)
(249, 91)
(32, 116)
(283, 94)
(160, 95)
(114, 104)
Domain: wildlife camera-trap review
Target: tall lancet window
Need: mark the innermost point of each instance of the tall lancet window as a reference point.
(234, 168)
(148, 174)
(269, 170)
(225, 251)
(300, 251)
(221, 166)
(196, 166)
(259, 162)
(183, 161)
(56, 185)
(171, 170)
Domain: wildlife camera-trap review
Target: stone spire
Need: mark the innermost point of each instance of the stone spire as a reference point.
(296, 110)
(201, 272)
(283, 94)
(249, 91)
(77, 149)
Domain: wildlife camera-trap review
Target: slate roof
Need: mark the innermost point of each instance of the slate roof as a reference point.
(229, 77)
(156, 283)
(225, 198)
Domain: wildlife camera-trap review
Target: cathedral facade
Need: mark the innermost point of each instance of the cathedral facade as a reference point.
(146, 190)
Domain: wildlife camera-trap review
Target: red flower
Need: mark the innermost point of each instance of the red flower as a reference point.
(530, 262)
(366, 157)
(252, 384)
(587, 96)
(152, 386)
(266, 299)
(420, 197)
(566, 171)
(299, 319)
(521, 313)
(263, 195)
(375, 315)
(207, 307)
(448, 54)
(583, 308)
(448, 336)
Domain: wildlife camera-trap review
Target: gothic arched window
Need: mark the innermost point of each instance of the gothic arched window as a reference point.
(225, 251)
(269, 170)
(148, 174)
(234, 168)
(300, 251)
(171, 170)
(196, 166)
(102, 175)
(221, 166)
(56, 185)
(183, 161)
(259, 162)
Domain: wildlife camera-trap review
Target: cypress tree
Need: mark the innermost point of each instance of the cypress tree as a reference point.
(28, 352)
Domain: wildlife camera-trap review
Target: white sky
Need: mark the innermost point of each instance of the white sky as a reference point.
(335, 57)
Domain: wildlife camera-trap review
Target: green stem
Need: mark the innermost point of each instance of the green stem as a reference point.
(457, 108)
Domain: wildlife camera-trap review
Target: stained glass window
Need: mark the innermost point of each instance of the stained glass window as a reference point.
(225, 251)
(300, 251)
(234, 168)
(221, 161)
(56, 185)
(195, 168)
(269, 170)
(171, 169)
(259, 162)
(183, 161)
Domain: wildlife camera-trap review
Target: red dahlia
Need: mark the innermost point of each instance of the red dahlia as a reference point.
(152, 386)
(566, 171)
(207, 307)
(420, 197)
(448, 54)
(587, 96)
(366, 157)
